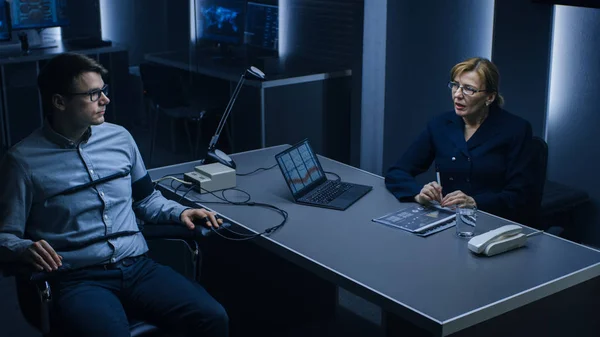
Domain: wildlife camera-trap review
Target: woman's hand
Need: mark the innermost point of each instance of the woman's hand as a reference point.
(430, 192)
(457, 198)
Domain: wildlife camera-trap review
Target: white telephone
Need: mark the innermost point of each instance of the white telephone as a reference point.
(498, 241)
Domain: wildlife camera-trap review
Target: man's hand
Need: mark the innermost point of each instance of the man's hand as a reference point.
(430, 192)
(457, 198)
(189, 215)
(42, 256)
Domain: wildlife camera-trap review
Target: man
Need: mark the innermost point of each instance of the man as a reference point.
(69, 199)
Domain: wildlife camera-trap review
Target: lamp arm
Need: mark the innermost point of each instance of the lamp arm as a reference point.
(236, 92)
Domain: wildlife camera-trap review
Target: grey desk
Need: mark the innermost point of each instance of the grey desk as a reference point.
(316, 97)
(434, 283)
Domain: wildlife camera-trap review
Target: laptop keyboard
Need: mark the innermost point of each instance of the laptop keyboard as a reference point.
(327, 192)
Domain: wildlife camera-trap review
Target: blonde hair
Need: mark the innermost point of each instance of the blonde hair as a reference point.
(486, 71)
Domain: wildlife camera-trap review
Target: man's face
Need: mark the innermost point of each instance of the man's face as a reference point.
(80, 109)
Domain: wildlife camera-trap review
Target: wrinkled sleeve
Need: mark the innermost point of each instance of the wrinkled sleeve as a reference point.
(152, 206)
(16, 197)
(400, 178)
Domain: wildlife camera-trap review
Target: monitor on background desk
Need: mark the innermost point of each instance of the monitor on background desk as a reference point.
(31, 16)
(220, 28)
(5, 27)
(220, 21)
(38, 14)
(262, 26)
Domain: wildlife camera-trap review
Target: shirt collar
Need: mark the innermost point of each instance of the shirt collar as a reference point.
(61, 140)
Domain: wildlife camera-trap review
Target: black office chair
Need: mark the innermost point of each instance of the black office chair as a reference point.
(35, 296)
(553, 203)
(539, 151)
(165, 93)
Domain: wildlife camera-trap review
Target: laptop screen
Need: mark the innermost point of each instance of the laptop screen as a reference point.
(301, 168)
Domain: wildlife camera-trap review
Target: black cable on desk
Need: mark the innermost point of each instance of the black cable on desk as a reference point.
(257, 170)
(246, 202)
(190, 188)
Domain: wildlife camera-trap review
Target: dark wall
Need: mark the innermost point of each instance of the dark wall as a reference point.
(328, 33)
(370, 140)
(573, 111)
(521, 50)
(146, 26)
(423, 43)
(84, 17)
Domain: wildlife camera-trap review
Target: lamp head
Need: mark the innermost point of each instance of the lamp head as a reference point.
(256, 72)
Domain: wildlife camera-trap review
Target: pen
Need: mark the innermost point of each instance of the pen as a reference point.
(438, 179)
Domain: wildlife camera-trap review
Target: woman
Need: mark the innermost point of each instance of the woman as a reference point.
(480, 150)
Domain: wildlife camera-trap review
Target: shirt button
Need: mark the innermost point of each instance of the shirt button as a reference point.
(106, 216)
(468, 180)
(468, 158)
(113, 260)
(102, 194)
(91, 171)
(451, 179)
(453, 158)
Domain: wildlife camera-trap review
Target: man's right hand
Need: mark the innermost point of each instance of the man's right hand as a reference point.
(42, 256)
(430, 192)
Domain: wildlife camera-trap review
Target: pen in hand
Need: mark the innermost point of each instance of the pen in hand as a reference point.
(439, 182)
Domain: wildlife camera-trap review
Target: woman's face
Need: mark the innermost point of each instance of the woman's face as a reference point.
(468, 100)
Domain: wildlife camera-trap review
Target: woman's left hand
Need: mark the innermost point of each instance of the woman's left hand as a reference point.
(457, 198)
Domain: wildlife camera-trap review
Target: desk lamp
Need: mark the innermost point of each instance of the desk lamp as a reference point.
(216, 154)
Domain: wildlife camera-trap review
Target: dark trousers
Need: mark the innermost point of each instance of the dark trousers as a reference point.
(98, 301)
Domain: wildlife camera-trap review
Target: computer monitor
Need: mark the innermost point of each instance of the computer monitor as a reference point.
(262, 26)
(37, 14)
(221, 21)
(5, 27)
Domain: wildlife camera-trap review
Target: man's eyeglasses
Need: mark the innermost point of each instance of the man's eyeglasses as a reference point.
(466, 89)
(94, 94)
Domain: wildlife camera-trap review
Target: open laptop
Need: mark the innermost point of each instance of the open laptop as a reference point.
(309, 185)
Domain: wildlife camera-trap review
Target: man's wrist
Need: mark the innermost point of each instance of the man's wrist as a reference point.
(181, 214)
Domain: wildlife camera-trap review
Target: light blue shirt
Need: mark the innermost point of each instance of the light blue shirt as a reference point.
(45, 164)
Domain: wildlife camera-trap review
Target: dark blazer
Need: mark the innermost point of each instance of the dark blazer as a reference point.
(493, 167)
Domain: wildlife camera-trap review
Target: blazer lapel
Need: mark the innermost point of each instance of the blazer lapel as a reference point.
(490, 127)
(455, 131)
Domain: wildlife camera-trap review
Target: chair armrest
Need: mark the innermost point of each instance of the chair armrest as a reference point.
(177, 231)
(8, 269)
(34, 295)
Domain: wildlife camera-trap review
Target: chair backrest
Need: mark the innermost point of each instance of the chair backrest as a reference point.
(539, 152)
(163, 85)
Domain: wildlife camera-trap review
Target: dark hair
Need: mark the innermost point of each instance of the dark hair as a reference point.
(59, 74)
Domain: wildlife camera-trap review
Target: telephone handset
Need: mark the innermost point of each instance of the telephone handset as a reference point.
(499, 240)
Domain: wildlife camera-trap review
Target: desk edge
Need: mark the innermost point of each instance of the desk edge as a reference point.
(518, 300)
